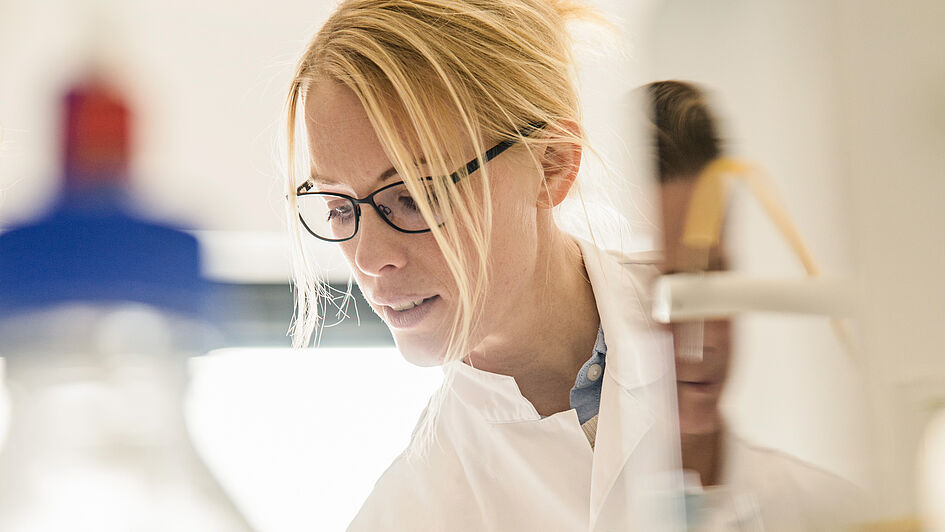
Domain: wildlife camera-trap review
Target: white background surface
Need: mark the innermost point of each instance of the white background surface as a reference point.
(298, 438)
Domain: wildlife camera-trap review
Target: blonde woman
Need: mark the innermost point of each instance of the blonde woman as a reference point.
(431, 140)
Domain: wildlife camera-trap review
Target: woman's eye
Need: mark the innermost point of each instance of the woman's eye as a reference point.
(431, 195)
(408, 203)
(339, 213)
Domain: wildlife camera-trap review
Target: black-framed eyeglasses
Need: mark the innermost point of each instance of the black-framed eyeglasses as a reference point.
(335, 217)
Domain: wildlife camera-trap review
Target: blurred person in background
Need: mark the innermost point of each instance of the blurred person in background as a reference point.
(440, 135)
(742, 482)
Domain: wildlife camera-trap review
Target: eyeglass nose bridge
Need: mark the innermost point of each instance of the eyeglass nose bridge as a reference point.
(383, 211)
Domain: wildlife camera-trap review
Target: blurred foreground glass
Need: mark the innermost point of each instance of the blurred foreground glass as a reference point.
(99, 311)
(97, 439)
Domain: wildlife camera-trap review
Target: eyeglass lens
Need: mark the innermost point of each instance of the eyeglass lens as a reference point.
(334, 217)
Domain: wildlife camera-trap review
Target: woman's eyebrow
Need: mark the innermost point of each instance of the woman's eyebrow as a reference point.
(315, 178)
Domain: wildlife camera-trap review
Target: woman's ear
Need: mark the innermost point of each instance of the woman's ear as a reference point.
(560, 162)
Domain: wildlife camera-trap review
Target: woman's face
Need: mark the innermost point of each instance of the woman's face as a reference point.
(404, 276)
(699, 383)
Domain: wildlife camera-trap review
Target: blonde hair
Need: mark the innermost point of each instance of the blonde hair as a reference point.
(433, 76)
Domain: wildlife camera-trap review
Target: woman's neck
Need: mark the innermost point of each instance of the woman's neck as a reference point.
(552, 333)
(702, 453)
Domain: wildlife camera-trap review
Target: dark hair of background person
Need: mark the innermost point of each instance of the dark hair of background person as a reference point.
(686, 137)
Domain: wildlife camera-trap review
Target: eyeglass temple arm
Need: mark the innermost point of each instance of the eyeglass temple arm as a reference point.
(495, 151)
(472, 165)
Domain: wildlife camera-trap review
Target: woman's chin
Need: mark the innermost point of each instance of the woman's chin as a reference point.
(420, 353)
(696, 421)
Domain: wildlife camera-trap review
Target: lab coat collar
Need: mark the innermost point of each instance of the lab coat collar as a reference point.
(495, 397)
(633, 352)
(639, 353)
(623, 302)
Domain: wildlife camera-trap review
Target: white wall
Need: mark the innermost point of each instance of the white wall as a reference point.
(893, 77)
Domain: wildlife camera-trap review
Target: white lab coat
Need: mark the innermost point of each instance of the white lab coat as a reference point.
(765, 489)
(499, 466)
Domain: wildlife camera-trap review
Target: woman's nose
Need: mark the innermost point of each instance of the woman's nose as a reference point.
(379, 248)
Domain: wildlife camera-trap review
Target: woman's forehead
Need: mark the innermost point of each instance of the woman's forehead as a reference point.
(334, 115)
(343, 145)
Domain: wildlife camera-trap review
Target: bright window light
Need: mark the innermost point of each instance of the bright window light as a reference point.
(298, 437)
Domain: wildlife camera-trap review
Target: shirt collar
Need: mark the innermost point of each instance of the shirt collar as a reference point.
(599, 357)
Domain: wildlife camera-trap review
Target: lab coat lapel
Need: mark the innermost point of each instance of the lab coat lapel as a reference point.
(638, 355)
(624, 421)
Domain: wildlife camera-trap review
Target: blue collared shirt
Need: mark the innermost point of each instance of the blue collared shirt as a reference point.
(585, 395)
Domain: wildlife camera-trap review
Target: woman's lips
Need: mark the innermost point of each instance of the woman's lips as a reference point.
(405, 319)
(701, 388)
